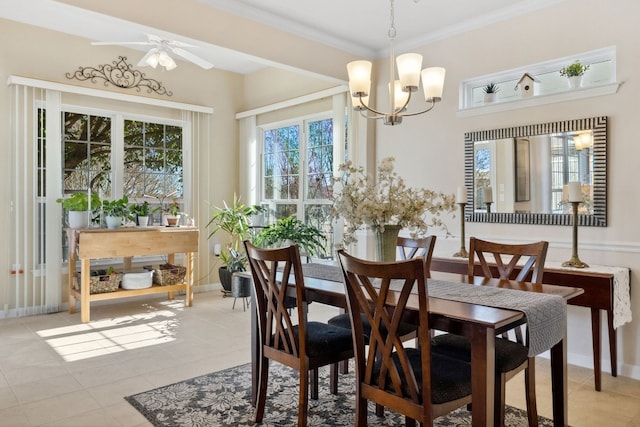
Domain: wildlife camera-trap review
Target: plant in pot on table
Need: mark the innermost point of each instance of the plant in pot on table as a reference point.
(173, 217)
(142, 212)
(235, 221)
(77, 206)
(116, 212)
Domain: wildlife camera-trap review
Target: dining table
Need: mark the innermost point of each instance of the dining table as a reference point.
(480, 323)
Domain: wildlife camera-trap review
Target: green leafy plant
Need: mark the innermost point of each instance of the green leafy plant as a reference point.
(574, 70)
(174, 208)
(80, 202)
(117, 208)
(235, 221)
(143, 209)
(491, 88)
(309, 238)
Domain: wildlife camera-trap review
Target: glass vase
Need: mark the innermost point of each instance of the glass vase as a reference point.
(386, 242)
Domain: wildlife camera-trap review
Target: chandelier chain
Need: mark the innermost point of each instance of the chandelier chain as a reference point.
(392, 25)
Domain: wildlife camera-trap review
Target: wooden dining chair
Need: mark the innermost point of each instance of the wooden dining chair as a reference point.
(511, 357)
(407, 248)
(411, 381)
(302, 345)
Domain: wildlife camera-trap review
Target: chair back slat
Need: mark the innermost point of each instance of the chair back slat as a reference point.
(534, 255)
(272, 270)
(381, 291)
(408, 248)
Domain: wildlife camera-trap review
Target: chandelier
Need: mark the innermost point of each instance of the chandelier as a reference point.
(160, 56)
(409, 65)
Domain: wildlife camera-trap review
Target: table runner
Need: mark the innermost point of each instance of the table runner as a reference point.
(621, 289)
(545, 314)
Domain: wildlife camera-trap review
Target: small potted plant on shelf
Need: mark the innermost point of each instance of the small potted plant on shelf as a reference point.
(291, 230)
(116, 212)
(77, 206)
(235, 221)
(574, 73)
(173, 215)
(490, 91)
(142, 212)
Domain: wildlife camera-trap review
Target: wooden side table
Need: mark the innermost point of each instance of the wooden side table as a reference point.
(605, 288)
(88, 244)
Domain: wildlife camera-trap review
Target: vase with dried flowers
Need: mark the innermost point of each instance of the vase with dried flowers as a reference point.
(386, 206)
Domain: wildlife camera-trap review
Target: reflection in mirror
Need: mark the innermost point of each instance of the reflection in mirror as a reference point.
(520, 174)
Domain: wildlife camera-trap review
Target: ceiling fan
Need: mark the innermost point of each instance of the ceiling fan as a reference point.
(159, 53)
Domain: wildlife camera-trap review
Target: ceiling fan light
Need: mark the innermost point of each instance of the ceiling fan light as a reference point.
(152, 60)
(166, 61)
(171, 65)
(433, 83)
(409, 66)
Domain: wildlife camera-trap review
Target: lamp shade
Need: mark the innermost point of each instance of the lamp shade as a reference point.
(400, 97)
(356, 100)
(433, 83)
(409, 66)
(359, 77)
(166, 61)
(152, 60)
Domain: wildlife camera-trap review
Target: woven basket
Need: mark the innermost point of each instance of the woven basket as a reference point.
(168, 274)
(101, 283)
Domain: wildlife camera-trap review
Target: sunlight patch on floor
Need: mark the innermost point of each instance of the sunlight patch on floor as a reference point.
(107, 336)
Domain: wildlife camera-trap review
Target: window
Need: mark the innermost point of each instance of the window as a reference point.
(297, 171)
(152, 153)
(152, 159)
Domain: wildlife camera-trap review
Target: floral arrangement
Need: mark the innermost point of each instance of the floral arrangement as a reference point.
(361, 202)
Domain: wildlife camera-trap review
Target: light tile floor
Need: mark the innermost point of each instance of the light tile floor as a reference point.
(57, 371)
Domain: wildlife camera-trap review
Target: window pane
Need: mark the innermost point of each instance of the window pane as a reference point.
(318, 216)
(153, 159)
(86, 153)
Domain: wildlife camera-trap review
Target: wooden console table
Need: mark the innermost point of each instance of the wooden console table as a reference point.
(601, 292)
(88, 244)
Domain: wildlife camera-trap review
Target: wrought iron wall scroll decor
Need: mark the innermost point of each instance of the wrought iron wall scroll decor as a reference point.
(120, 74)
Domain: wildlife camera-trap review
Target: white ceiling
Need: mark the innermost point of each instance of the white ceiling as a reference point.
(356, 26)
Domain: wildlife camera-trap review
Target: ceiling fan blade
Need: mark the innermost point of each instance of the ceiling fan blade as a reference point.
(192, 58)
(120, 43)
(143, 61)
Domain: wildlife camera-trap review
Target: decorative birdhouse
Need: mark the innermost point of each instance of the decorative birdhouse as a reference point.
(528, 87)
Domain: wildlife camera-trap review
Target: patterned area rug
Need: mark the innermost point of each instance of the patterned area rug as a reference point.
(222, 399)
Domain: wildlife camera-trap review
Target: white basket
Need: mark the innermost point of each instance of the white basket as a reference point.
(137, 279)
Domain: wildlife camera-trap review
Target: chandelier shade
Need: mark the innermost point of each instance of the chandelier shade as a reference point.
(410, 74)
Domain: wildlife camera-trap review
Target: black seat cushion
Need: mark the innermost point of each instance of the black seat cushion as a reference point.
(509, 354)
(343, 321)
(326, 340)
(450, 378)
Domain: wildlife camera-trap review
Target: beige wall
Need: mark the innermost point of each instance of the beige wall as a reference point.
(429, 148)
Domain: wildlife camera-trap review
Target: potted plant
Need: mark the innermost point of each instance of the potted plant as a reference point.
(235, 221)
(291, 230)
(142, 212)
(490, 91)
(77, 206)
(173, 215)
(574, 73)
(116, 211)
